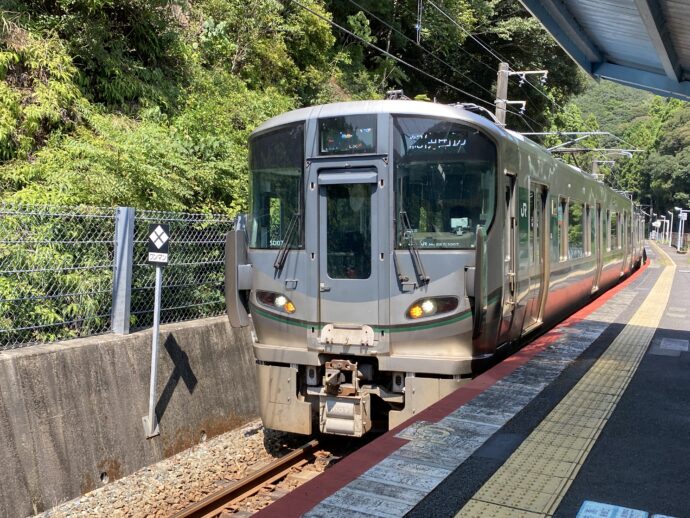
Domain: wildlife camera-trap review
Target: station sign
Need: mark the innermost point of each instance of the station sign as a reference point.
(683, 216)
(158, 244)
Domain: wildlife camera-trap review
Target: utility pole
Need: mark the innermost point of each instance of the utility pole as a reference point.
(502, 101)
(502, 92)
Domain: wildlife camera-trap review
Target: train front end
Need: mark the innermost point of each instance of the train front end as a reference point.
(363, 263)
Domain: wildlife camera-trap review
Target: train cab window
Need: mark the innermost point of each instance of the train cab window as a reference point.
(614, 243)
(275, 163)
(445, 183)
(347, 135)
(576, 247)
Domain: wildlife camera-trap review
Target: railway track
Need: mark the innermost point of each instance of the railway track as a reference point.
(225, 502)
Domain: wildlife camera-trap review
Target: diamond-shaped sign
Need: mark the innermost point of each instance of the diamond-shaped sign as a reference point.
(159, 237)
(158, 243)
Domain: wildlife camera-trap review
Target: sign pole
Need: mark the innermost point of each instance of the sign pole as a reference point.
(158, 256)
(151, 419)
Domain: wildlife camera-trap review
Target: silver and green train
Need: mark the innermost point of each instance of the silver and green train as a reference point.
(393, 247)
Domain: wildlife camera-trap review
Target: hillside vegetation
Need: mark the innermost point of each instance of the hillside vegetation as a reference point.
(660, 175)
(149, 103)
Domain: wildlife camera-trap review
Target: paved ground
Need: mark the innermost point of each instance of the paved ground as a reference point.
(492, 448)
(642, 458)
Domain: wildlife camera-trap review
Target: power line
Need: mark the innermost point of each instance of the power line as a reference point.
(465, 51)
(395, 58)
(398, 31)
(440, 60)
(486, 47)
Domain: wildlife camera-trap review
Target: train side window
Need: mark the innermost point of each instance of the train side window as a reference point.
(586, 225)
(607, 237)
(575, 233)
(562, 222)
(592, 230)
(613, 239)
(555, 229)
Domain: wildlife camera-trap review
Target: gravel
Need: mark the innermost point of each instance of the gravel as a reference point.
(172, 484)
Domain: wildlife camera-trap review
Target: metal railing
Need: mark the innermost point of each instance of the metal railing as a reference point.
(68, 272)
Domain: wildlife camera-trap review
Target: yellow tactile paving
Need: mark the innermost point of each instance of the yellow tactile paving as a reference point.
(533, 481)
(475, 509)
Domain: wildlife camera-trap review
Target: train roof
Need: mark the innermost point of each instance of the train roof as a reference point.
(396, 107)
(409, 107)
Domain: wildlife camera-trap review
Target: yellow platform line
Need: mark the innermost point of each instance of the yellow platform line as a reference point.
(536, 477)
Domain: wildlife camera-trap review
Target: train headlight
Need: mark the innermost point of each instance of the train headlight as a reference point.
(276, 300)
(431, 306)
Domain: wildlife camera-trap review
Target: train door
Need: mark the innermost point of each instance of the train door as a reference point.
(536, 255)
(348, 249)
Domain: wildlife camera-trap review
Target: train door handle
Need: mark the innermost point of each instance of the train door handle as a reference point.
(323, 287)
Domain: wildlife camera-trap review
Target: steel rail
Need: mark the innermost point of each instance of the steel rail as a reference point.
(213, 504)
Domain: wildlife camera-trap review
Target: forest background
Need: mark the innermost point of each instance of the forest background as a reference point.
(149, 103)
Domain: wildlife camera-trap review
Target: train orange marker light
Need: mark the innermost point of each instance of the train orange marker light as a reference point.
(416, 311)
(289, 307)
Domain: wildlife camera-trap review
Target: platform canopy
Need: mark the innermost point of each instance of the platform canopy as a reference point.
(640, 43)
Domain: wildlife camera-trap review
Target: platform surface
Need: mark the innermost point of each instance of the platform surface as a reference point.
(591, 420)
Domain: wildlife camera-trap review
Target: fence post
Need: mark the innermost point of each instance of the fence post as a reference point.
(122, 269)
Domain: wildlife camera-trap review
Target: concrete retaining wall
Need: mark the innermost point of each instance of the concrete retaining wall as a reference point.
(71, 411)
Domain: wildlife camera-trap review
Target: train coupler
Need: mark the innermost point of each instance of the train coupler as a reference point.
(345, 415)
(344, 409)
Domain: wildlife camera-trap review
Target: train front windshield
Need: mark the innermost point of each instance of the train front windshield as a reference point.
(445, 183)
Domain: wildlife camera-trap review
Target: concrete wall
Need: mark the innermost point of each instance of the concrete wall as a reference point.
(71, 411)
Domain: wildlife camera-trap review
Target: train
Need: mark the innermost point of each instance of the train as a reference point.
(394, 248)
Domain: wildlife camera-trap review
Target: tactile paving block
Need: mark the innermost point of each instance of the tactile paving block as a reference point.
(516, 497)
(538, 474)
(478, 509)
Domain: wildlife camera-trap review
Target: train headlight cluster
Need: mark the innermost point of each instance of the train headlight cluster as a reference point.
(276, 300)
(431, 306)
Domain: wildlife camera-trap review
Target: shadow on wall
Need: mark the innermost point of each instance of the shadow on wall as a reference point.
(183, 369)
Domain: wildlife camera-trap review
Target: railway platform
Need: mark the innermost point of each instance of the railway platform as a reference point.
(592, 419)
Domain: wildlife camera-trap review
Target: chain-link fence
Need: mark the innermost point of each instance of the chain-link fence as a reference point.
(56, 271)
(193, 279)
(58, 264)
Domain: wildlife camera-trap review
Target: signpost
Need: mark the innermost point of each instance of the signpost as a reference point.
(158, 245)
(682, 218)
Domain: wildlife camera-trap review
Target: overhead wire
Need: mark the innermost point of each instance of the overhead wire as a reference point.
(486, 47)
(394, 57)
(424, 49)
(500, 58)
(440, 60)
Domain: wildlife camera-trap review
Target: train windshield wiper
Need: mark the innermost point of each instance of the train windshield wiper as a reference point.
(408, 236)
(287, 242)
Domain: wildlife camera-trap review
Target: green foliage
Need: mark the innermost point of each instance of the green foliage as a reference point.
(660, 175)
(128, 52)
(37, 90)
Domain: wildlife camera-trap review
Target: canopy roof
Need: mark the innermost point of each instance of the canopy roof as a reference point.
(640, 43)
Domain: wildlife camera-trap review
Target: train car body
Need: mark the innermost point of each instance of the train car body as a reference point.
(393, 247)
